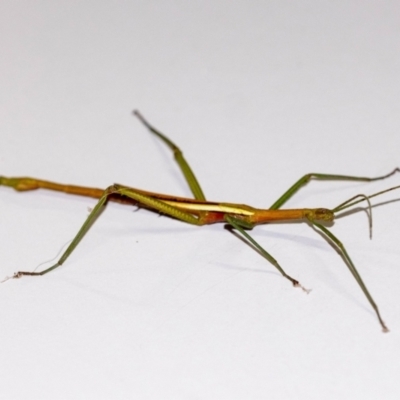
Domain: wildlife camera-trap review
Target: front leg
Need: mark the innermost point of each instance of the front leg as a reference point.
(330, 237)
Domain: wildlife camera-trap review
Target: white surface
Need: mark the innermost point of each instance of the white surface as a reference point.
(256, 94)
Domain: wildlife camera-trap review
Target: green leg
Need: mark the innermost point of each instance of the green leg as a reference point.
(148, 201)
(330, 236)
(180, 159)
(323, 177)
(239, 225)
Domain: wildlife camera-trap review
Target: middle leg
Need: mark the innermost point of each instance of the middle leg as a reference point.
(239, 225)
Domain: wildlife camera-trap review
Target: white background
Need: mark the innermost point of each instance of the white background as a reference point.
(256, 94)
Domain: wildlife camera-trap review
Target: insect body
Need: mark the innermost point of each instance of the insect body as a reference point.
(199, 211)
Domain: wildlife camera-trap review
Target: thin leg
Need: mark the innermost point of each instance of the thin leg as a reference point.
(239, 225)
(180, 159)
(323, 177)
(143, 199)
(329, 235)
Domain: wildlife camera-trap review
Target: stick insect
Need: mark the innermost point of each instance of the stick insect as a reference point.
(199, 211)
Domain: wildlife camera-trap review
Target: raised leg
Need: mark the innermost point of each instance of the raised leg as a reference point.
(342, 250)
(180, 159)
(323, 177)
(150, 202)
(239, 225)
